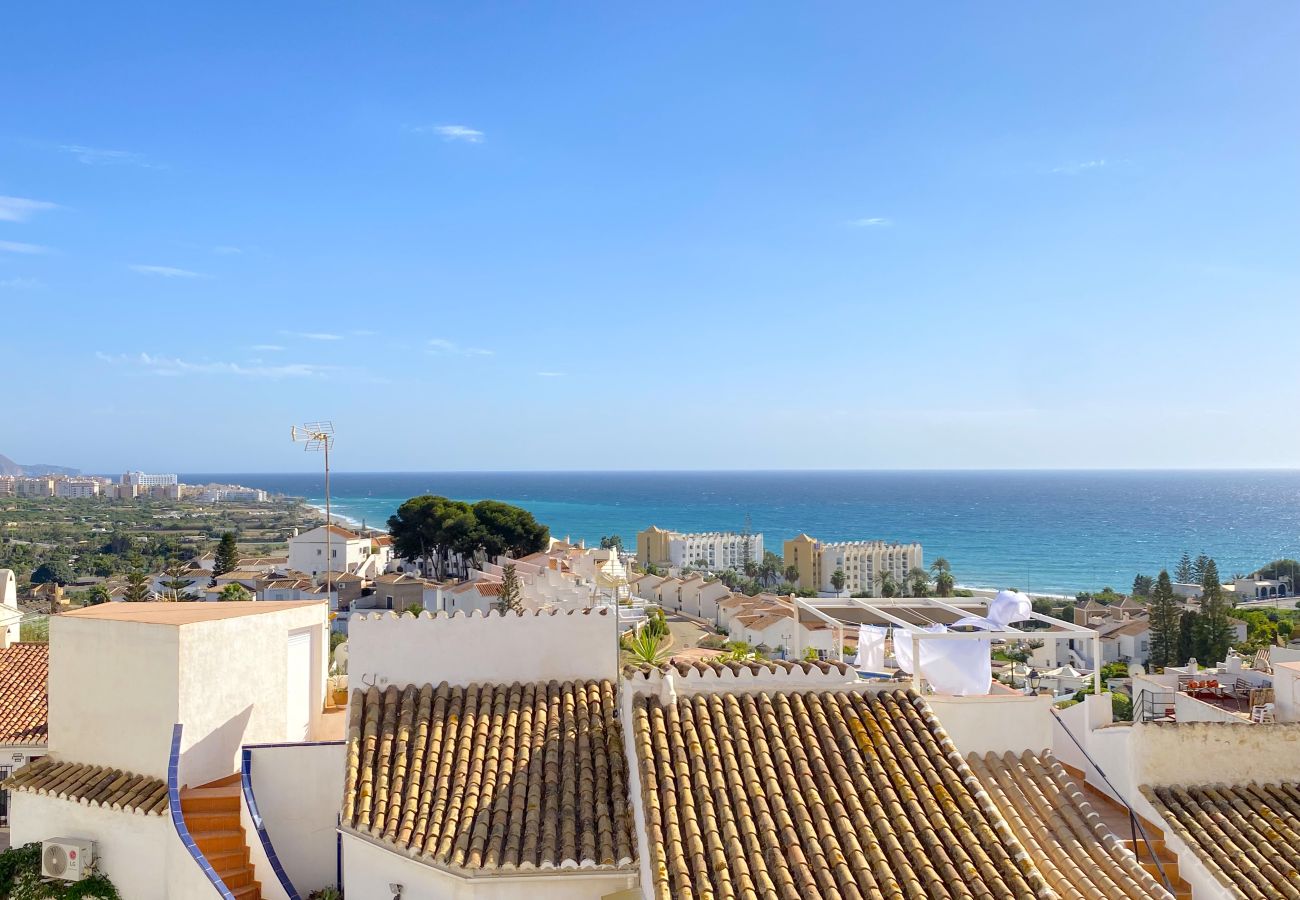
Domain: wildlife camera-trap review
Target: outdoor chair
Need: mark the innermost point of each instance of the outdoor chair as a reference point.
(1263, 714)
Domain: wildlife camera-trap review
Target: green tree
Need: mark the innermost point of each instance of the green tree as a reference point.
(888, 587)
(1183, 573)
(508, 530)
(1188, 630)
(1164, 617)
(137, 587)
(943, 580)
(97, 595)
(918, 582)
(1215, 620)
(227, 557)
(1142, 585)
(509, 600)
(612, 542)
(414, 608)
(838, 580)
(57, 570)
(177, 584)
(1198, 568)
(769, 568)
(234, 592)
(791, 574)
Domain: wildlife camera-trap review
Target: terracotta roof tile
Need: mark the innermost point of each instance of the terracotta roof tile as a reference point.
(846, 795)
(491, 777)
(91, 785)
(24, 696)
(1246, 835)
(1078, 855)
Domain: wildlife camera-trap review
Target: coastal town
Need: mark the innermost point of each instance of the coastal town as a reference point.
(675, 451)
(463, 705)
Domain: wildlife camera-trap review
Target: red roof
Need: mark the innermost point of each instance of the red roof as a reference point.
(24, 694)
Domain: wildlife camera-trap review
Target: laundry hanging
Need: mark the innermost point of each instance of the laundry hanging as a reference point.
(871, 648)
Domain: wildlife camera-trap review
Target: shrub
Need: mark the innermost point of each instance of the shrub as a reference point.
(20, 879)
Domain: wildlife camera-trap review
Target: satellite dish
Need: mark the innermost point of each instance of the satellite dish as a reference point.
(1134, 670)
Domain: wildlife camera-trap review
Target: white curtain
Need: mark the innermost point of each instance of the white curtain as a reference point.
(963, 668)
(871, 648)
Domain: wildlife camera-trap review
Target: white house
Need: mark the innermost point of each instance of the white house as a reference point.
(23, 700)
(343, 551)
(150, 705)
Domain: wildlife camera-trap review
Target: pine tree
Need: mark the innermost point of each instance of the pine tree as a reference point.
(1164, 617)
(177, 584)
(1188, 629)
(1142, 585)
(227, 557)
(1198, 568)
(1216, 627)
(509, 599)
(1183, 573)
(137, 587)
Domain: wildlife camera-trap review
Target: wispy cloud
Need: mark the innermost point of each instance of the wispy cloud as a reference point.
(20, 209)
(442, 345)
(227, 250)
(21, 284)
(268, 348)
(550, 374)
(453, 132)
(172, 366)
(167, 272)
(873, 222)
(19, 247)
(364, 332)
(313, 335)
(1078, 168)
(96, 156)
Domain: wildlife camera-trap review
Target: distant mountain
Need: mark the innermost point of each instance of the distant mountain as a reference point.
(9, 467)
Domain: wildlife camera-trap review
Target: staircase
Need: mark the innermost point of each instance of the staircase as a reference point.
(1116, 817)
(211, 814)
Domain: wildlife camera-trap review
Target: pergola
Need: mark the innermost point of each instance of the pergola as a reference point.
(913, 614)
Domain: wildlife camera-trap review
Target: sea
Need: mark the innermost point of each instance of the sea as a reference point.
(1050, 532)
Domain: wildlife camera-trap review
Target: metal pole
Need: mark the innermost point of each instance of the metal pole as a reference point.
(916, 661)
(328, 522)
(1096, 666)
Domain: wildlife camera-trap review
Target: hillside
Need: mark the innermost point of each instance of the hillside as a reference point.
(9, 467)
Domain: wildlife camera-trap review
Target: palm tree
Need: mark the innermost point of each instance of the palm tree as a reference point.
(918, 582)
(645, 647)
(838, 580)
(792, 574)
(888, 587)
(770, 568)
(943, 580)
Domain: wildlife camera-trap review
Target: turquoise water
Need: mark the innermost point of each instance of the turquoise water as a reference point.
(1055, 532)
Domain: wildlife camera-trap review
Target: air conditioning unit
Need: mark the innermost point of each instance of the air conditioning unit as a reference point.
(68, 859)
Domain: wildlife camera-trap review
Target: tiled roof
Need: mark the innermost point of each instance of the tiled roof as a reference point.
(491, 777)
(1078, 855)
(92, 785)
(1246, 835)
(24, 696)
(840, 794)
(684, 667)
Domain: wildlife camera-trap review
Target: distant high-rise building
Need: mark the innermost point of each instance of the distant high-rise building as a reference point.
(712, 550)
(145, 480)
(862, 562)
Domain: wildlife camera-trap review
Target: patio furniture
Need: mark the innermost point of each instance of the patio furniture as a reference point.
(1263, 714)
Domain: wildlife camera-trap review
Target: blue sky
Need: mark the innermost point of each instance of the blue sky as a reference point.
(479, 236)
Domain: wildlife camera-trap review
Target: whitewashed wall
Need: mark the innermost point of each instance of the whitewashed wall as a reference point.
(995, 723)
(1213, 752)
(115, 679)
(368, 870)
(384, 648)
(298, 790)
(129, 847)
(234, 687)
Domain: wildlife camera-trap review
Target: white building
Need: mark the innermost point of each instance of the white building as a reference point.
(141, 479)
(76, 488)
(150, 706)
(343, 551)
(862, 563)
(42, 486)
(232, 495)
(711, 550)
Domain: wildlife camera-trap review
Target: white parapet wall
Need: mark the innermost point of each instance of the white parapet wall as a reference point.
(388, 649)
(995, 723)
(1214, 752)
(298, 789)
